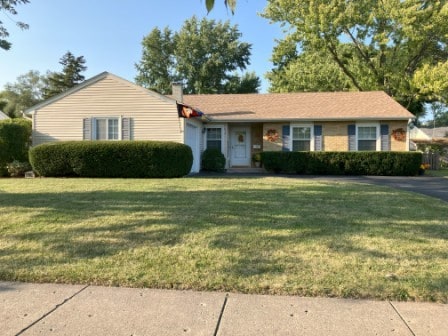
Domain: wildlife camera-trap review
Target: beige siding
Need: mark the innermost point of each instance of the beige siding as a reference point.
(153, 117)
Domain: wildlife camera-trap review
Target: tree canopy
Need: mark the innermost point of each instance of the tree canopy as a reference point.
(398, 46)
(22, 94)
(204, 54)
(8, 7)
(71, 75)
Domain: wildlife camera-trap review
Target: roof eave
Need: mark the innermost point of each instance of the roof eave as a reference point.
(211, 119)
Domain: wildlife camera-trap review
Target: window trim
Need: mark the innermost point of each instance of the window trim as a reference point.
(303, 125)
(94, 127)
(222, 135)
(378, 134)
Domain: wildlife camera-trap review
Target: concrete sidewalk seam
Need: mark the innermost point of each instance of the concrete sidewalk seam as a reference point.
(401, 317)
(218, 324)
(51, 311)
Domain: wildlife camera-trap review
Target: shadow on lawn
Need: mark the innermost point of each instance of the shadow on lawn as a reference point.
(256, 222)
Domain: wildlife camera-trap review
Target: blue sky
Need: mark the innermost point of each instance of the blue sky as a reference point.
(108, 33)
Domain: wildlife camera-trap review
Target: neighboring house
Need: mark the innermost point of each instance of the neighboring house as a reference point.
(418, 134)
(436, 133)
(424, 137)
(107, 107)
(3, 116)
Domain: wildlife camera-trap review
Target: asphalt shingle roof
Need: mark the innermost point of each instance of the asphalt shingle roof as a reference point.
(438, 132)
(299, 106)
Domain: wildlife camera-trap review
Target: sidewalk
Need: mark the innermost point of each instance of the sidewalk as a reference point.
(51, 309)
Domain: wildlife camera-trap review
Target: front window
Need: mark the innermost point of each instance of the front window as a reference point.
(214, 138)
(367, 136)
(301, 139)
(107, 129)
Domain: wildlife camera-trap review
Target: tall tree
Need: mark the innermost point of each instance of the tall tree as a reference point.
(366, 44)
(59, 82)
(204, 54)
(247, 83)
(22, 94)
(8, 7)
(439, 115)
(156, 68)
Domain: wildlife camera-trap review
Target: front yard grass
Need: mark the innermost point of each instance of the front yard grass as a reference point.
(438, 173)
(273, 235)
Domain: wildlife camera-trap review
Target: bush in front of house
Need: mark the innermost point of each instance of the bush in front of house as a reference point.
(15, 140)
(213, 160)
(343, 163)
(18, 168)
(129, 159)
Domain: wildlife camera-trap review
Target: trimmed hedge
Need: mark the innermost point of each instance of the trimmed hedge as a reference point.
(15, 140)
(135, 159)
(213, 160)
(343, 163)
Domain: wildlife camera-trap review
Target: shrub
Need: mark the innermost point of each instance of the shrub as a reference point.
(213, 160)
(136, 159)
(343, 163)
(15, 140)
(17, 168)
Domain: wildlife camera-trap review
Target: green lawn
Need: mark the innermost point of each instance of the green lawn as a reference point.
(254, 235)
(438, 173)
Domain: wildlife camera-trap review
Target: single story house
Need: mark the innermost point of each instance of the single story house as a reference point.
(107, 107)
(3, 116)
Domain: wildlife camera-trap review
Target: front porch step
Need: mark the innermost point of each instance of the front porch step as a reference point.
(246, 170)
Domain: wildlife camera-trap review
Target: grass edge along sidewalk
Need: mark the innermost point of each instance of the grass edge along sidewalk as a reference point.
(267, 235)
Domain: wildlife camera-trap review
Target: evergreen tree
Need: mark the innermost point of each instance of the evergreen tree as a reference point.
(59, 82)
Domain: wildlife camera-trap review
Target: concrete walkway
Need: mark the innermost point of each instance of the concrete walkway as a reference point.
(51, 309)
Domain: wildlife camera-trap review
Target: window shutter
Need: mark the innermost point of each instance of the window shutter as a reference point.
(285, 138)
(126, 128)
(318, 137)
(87, 129)
(351, 137)
(385, 138)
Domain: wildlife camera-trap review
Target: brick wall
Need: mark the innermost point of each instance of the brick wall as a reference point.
(335, 138)
(396, 145)
(256, 131)
(272, 145)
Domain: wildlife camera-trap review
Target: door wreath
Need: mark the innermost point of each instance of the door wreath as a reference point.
(272, 135)
(399, 134)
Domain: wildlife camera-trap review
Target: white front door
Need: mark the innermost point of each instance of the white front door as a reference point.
(240, 146)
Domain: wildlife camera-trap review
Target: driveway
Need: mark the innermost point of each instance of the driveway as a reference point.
(427, 185)
(431, 186)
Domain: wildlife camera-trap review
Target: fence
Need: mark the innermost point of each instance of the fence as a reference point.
(433, 159)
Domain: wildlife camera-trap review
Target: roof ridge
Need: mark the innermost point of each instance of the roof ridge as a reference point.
(285, 93)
